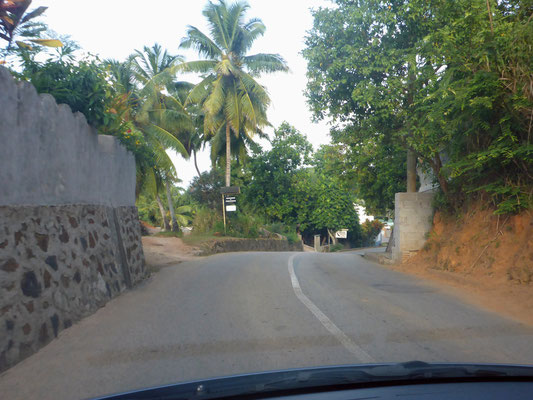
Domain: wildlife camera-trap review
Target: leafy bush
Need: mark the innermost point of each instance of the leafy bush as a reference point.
(82, 86)
(207, 220)
(276, 227)
(242, 225)
(205, 189)
(370, 229)
(336, 247)
(292, 237)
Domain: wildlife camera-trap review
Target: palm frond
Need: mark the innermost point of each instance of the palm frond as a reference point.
(215, 101)
(167, 139)
(216, 14)
(262, 62)
(199, 41)
(200, 66)
(234, 22)
(232, 109)
(200, 92)
(250, 32)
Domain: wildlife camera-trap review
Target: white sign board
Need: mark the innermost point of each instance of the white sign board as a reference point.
(231, 207)
(342, 234)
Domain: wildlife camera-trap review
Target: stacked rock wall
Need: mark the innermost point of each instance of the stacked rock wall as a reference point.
(69, 233)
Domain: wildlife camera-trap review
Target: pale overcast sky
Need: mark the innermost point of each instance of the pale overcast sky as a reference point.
(114, 28)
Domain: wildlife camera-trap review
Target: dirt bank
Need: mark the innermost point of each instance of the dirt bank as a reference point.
(486, 259)
(164, 251)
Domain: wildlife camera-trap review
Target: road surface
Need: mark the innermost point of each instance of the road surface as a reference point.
(245, 312)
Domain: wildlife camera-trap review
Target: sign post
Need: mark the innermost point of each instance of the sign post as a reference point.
(229, 200)
(224, 213)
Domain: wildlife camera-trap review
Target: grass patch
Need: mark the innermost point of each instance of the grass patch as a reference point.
(169, 234)
(336, 247)
(199, 238)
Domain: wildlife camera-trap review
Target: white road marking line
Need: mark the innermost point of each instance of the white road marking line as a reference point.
(353, 348)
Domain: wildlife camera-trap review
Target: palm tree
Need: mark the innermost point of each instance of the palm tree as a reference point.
(230, 95)
(141, 82)
(186, 119)
(161, 116)
(152, 62)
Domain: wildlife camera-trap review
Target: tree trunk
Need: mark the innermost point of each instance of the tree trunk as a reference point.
(166, 226)
(411, 156)
(228, 154)
(196, 163)
(171, 208)
(332, 236)
(436, 165)
(411, 171)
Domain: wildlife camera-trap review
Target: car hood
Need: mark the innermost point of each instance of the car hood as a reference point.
(312, 380)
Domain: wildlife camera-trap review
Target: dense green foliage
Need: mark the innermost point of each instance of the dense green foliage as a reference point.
(370, 230)
(449, 80)
(143, 103)
(274, 172)
(83, 86)
(291, 185)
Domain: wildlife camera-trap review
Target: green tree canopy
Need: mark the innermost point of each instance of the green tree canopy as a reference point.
(447, 80)
(273, 174)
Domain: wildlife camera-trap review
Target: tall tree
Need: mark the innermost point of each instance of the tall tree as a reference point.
(440, 78)
(274, 172)
(363, 62)
(231, 97)
(161, 115)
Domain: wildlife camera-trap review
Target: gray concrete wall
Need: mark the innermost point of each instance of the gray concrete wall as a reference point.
(413, 218)
(50, 156)
(70, 236)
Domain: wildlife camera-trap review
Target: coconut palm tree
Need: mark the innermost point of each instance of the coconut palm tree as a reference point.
(142, 81)
(160, 116)
(193, 134)
(152, 62)
(229, 93)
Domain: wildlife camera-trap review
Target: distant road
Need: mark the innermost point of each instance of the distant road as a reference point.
(246, 312)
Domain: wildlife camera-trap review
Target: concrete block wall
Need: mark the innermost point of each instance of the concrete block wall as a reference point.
(51, 156)
(70, 237)
(413, 218)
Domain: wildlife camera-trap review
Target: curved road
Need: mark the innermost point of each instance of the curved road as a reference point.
(245, 312)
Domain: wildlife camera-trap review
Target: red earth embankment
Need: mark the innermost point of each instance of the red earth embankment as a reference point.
(484, 258)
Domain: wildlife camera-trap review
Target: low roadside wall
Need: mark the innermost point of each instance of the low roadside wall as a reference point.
(70, 237)
(236, 245)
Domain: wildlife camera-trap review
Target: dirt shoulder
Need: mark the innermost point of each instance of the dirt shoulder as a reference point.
(512, 300)
(485, 259)
(161, 252)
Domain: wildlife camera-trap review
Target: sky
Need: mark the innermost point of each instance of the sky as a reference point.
(115, 28)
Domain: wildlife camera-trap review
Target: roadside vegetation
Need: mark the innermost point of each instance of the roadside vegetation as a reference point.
(448, 81)
(147, 105)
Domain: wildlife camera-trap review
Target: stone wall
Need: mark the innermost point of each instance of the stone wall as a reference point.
(69, 233)
(413, 217)
(233, 245)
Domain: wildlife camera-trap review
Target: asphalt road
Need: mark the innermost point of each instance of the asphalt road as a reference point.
(246, 312)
